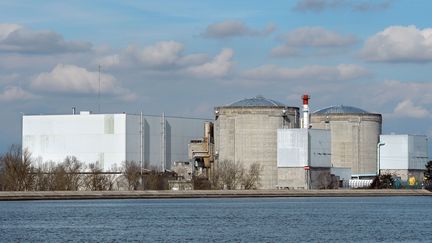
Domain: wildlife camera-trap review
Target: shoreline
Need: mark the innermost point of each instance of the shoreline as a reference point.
(82, 195)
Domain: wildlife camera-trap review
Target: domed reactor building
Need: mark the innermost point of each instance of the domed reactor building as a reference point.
(354, 137)
(246, 132)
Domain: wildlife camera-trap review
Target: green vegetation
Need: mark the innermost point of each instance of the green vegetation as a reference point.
(428, 176)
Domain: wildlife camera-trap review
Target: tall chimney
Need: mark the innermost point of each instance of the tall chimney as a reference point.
(306, 111)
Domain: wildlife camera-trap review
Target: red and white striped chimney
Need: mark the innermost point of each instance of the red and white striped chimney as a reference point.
(306, 111)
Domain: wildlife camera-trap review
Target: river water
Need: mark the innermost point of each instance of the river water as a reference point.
(344, 219)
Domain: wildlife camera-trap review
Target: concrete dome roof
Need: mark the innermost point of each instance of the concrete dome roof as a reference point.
(341, 109)
(256, 101)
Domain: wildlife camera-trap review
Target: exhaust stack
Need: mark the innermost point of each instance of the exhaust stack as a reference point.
(306, 111)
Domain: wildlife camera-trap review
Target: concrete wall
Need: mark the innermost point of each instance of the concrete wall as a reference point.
(292, 178)
(248, 135)
(354, 139)
(405, 174)
(297, 178)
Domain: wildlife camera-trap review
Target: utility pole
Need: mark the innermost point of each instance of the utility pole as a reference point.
(141, 148)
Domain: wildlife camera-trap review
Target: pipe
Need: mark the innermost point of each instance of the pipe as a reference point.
(306, 111)
(378, 157)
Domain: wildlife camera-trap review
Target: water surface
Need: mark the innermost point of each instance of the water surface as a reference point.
(366, 219)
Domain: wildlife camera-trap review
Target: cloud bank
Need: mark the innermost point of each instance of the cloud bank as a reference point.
(234, 28)
(311, 37)
(399, 44)
(353, 5)
(312, 73)
(77, 80)
(17, 39)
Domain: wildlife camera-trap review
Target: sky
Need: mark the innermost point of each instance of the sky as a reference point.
(184, 58)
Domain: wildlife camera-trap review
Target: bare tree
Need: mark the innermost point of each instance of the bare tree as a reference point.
(131, 171)
(73, 178)
(18, 172)
(45, 177)
(95, 180)
(250, 180)
(227, 175)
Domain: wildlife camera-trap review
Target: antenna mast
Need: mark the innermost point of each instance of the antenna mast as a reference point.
(99, 90)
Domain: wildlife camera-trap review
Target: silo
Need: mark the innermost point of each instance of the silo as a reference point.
(354, 134)
(246, 133)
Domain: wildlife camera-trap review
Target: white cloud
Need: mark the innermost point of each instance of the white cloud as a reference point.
(399, 44)
(13, 93)
(78, 80)
(216, 68)
(163, 55)
(166, 58)
(234, 28)
(311, 37)
(17, 39)
(407, 108)
(312, 73)
(317, 37)
(391, 91)
(6, 29)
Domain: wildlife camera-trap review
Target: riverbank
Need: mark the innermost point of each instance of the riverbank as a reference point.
(68, 195)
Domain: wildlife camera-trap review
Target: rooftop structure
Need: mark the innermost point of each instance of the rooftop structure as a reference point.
(258, 101)
(341, 109)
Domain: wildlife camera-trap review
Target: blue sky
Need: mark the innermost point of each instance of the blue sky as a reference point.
(185, 57)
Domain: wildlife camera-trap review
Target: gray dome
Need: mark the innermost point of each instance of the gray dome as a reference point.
(341, 109)
(256, 101)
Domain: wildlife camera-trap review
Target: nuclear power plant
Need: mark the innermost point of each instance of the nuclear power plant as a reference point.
(294, 148)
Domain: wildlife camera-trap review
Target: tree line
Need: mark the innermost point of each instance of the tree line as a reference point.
(18, 172)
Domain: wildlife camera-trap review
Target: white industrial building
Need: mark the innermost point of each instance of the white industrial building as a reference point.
(303, 158)
(110, 139)
(403, 155)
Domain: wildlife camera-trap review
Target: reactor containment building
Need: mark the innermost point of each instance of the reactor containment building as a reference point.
(246, 132)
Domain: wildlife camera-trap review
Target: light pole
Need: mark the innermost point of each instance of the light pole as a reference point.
(22, 133)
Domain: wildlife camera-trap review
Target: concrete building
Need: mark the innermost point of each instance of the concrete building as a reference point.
(246, 132)
(403, 155)
(109, 139)
(355, 134)
(303, 158)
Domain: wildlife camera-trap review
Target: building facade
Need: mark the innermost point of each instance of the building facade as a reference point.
(403, 155)
(110, 139)
(303, 158)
